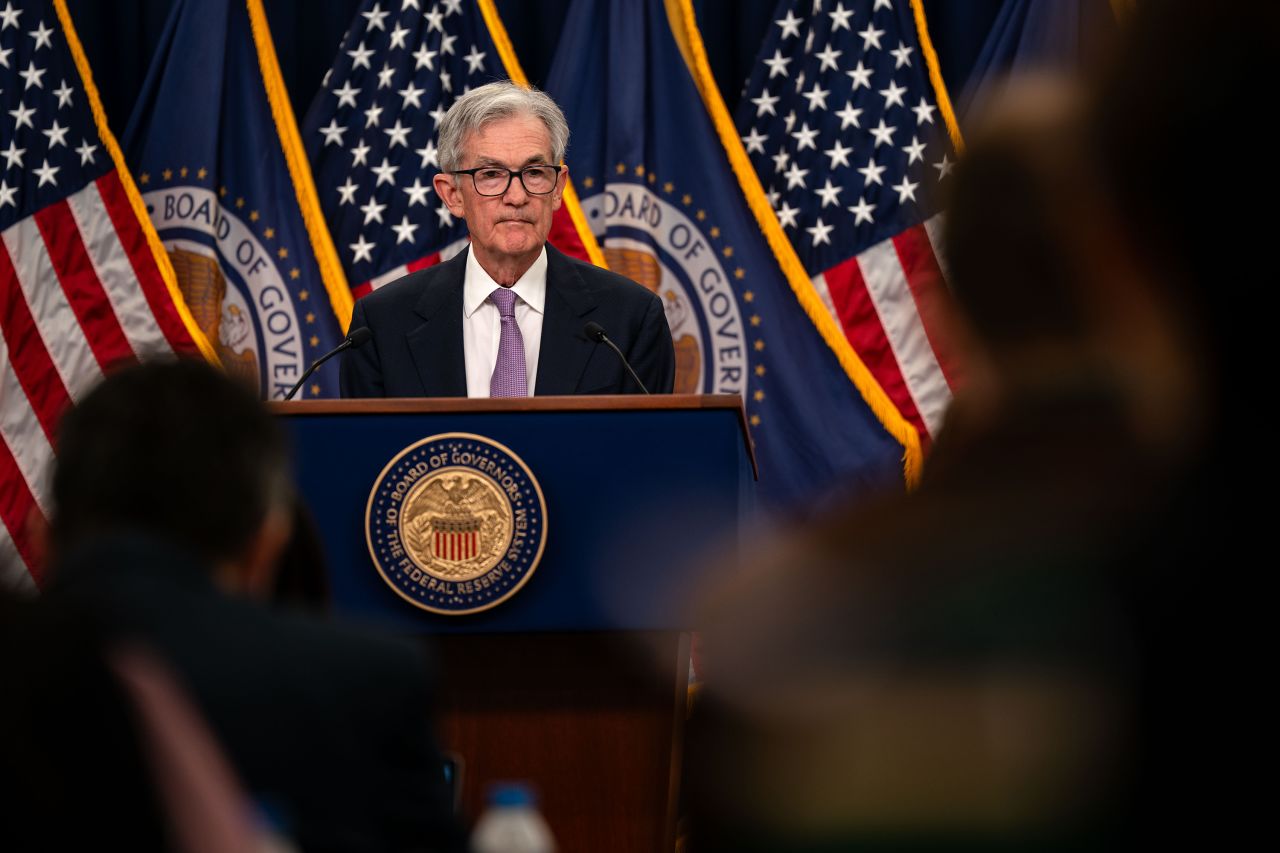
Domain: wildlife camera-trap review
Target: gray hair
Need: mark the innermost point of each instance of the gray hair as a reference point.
(493, 102)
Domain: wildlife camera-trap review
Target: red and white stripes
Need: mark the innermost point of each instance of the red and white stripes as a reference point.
(891, 302)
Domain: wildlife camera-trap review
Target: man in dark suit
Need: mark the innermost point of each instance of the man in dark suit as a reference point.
(172, 502)
(506, 317)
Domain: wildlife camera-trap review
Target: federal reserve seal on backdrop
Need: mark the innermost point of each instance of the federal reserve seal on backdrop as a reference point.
(456, 523)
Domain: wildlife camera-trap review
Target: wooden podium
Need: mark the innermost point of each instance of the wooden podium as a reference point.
(577, 682)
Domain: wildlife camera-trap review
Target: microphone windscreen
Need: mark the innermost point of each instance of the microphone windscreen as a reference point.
(594, 331)
(360, 336)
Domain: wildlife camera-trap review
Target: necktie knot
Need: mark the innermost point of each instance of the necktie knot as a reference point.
(505, 299)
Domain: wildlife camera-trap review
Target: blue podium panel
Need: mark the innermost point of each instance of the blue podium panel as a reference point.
(641, 497)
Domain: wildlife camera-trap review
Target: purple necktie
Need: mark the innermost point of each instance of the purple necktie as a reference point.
(510, 378)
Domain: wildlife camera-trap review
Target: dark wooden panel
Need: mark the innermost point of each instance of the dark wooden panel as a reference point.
(593, 721)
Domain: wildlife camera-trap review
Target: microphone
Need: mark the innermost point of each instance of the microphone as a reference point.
(357, 337)
(596, 333)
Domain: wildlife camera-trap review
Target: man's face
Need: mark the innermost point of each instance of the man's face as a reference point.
(513, 226)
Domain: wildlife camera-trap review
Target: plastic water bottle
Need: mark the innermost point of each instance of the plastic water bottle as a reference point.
(511, 823)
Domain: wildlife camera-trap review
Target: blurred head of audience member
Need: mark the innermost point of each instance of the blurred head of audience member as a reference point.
(175, 452)
(1012, 266)
(1049, 289)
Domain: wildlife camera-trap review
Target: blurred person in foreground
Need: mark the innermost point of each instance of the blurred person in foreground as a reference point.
(172, 502)
(1020, 653)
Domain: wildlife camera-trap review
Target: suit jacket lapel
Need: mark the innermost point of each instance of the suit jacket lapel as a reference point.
(436, 345)
(565, 349)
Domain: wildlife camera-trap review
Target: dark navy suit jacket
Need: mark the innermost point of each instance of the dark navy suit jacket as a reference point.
(417, 349)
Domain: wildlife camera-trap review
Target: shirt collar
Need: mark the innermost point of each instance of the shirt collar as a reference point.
(530, 287)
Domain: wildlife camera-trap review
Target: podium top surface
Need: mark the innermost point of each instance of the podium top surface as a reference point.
(576, 403)
(580, 403)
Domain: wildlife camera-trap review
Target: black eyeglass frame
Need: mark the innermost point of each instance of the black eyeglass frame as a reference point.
(512, 174)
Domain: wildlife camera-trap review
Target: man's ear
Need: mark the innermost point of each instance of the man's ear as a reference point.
(447, 188)
(562, 181)
(254, 574)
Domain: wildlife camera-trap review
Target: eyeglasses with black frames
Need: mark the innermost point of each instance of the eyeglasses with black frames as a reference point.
(494, 180)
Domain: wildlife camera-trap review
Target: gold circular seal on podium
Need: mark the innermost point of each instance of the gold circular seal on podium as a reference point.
(456, 523)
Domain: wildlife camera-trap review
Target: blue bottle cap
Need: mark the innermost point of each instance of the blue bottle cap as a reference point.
(511, 794)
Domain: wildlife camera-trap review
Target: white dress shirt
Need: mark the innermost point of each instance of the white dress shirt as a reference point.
(482, 324)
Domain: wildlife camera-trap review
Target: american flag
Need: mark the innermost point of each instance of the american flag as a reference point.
(845, 128)
(676, 202)
(371, 134)
(83, 281)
